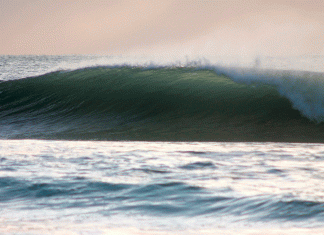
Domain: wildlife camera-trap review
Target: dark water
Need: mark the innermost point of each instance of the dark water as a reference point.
(169, 104)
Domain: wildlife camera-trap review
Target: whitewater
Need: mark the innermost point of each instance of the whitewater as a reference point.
(119, 145)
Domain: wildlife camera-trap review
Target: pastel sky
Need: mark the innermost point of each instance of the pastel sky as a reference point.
(117, 27)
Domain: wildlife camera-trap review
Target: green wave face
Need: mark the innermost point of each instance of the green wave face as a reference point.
(131, 103)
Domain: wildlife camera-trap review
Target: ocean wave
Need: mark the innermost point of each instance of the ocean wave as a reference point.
(188, 103)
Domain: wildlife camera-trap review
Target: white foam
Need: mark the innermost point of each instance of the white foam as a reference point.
(304, 89)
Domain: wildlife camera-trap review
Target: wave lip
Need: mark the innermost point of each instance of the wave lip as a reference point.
(161, 103)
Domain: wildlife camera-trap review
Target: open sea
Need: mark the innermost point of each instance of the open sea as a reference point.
(114, 145)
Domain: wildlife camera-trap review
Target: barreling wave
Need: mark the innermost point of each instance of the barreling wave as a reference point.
(163, 103)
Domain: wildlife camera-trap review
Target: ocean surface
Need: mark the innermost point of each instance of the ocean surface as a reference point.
(118, 145)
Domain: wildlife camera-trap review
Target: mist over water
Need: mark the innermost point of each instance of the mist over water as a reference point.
(239, 41)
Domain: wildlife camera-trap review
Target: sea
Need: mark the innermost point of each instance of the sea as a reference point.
(93, 144)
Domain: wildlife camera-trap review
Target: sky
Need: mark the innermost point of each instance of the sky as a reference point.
(189, 27)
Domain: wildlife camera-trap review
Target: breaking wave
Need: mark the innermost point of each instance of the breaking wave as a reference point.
(165, 103)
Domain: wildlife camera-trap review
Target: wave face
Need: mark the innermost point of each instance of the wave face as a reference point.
(165, 103)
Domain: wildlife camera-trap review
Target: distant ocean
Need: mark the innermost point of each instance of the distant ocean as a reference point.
(116, 145)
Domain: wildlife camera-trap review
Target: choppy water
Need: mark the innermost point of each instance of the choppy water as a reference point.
(157, 184)
(52, 184)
